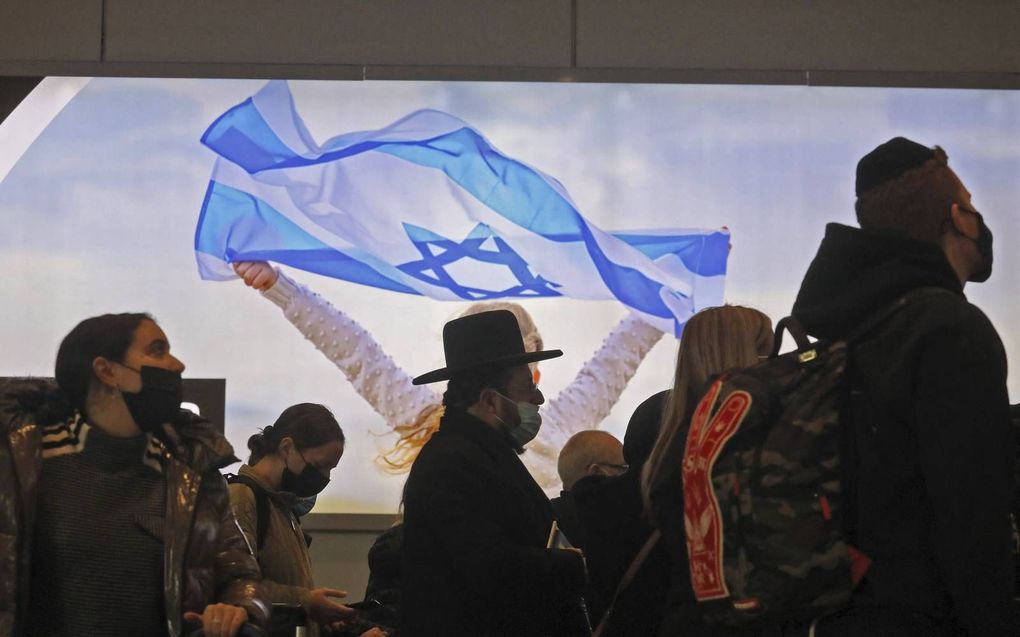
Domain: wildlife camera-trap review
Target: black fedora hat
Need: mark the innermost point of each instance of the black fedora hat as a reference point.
(487, 340)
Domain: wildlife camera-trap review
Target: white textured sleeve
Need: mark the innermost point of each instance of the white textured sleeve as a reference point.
(372, 373)
(591, 395)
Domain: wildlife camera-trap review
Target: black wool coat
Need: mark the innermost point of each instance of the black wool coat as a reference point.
(475, 530)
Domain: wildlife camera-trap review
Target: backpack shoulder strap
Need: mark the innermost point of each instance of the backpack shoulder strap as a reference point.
(261, 506)
(793, 326)
(886, 312)
(625, 581)
(800, 336)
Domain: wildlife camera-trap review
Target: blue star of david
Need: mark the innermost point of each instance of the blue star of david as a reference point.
(438, 252)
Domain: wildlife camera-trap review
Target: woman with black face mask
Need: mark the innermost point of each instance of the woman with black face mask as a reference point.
(290, 461)
(111, 501)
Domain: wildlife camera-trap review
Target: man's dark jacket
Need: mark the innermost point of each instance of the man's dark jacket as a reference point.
(384, 573)
(930, 414)
(475, 529)
(565, 511)
(612, 513)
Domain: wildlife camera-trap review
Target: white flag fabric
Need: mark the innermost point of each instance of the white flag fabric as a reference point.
(428, 206)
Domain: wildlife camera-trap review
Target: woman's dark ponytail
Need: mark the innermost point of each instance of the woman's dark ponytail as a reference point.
(258, 446)
(307, 424)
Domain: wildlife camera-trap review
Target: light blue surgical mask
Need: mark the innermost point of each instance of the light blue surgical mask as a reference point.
(302, 506)
(531, 421)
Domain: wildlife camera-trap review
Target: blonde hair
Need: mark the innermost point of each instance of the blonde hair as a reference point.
(713, 341)
(414, 435)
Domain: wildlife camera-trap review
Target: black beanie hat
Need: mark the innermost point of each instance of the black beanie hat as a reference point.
(889, 161)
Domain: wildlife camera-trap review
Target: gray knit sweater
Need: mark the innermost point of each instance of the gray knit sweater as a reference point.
(98, 546)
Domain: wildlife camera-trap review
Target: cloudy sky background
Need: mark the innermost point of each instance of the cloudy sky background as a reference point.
(99, 215)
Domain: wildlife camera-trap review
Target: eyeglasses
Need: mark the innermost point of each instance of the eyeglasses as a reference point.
(506, 390)
(620, 467)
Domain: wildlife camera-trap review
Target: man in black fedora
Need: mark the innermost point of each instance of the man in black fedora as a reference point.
(476, 523)
(930, 472)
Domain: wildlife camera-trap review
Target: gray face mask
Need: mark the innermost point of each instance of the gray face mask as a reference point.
(531, 421)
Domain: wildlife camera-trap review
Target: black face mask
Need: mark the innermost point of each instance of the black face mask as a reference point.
(984, 246)
(307, 483)
(159, 400)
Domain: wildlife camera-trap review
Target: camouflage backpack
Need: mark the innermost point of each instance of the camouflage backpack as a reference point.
(762, 479)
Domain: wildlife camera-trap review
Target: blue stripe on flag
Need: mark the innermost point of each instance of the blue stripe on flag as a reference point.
(703, 254)
(243, 135)
(507, 186)
(237, 226)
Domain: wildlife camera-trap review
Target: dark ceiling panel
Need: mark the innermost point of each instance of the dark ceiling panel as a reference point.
(846, 35)
(395, 32)
(51, 30)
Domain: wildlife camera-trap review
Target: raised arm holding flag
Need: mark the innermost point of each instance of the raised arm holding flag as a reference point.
(428, 206)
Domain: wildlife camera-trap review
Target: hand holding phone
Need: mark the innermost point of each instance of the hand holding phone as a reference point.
(367, 604)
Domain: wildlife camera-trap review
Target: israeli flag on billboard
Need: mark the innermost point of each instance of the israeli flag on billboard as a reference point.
(427, 205)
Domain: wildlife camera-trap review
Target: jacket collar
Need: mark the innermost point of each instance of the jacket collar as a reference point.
(458, 422)
(501, 448)
(196, 443)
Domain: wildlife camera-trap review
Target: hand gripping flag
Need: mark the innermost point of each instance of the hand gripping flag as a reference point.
(428, 206)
